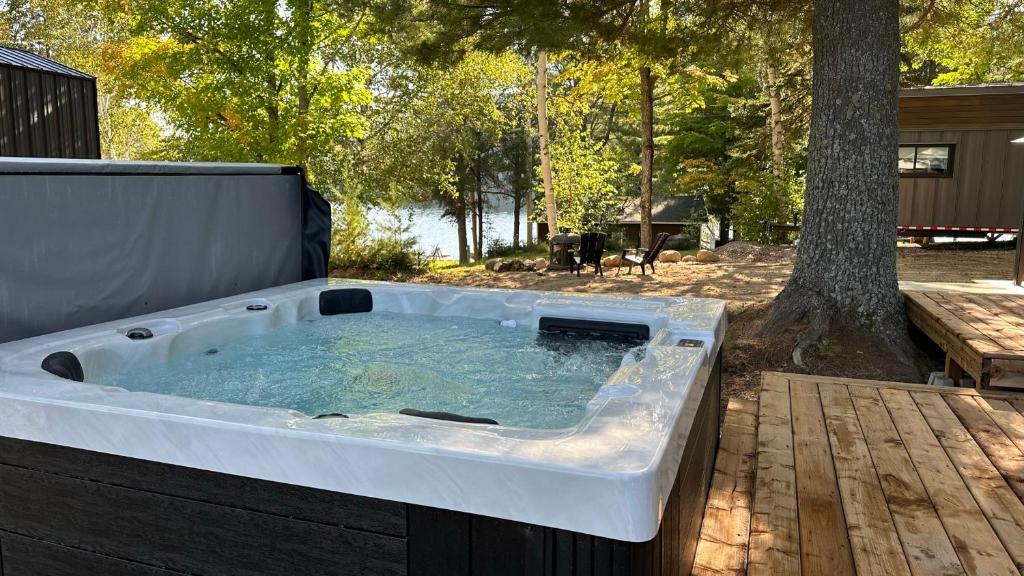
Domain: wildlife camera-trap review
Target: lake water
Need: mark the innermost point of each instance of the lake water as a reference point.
(433, 230)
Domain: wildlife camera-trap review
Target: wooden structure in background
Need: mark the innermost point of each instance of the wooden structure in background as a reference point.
(982, 188)
(837, 476)
(47, 110)
(981, 334)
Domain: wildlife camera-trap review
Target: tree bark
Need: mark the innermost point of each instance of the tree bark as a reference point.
(845, 272)
(775, 121)
(471, 208)
(646, 154)
(460, 220)
(520, 184)
(528, 191)
(478, 209)
(545, 148)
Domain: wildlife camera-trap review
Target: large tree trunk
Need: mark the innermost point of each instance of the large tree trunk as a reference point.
(517, 206)
(775, 121)
(646, 154)
(478, 242)
(460, 220)
(545, 148)
(528, 189)
(845, 272)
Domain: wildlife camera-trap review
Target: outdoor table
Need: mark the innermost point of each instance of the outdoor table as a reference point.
(560, 246)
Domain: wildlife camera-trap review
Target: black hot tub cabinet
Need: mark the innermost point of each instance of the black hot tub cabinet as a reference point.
(88, 499)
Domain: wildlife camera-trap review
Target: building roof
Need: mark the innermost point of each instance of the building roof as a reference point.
(667, 210)
(963, 90)
(30, 61)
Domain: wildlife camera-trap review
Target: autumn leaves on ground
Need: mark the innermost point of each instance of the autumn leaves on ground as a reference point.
(748, 276)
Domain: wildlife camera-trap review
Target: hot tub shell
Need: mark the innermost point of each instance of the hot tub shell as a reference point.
(152, 484)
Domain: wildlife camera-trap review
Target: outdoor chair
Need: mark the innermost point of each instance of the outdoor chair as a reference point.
(643, 257)
(591, 251)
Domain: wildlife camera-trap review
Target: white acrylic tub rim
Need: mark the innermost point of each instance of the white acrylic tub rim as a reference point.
(610, 475)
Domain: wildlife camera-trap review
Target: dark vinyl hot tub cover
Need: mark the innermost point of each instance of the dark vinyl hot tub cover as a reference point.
(88, 241)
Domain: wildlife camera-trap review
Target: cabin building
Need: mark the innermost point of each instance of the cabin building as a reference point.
(961, 174)
(683, 217)
(47, 110)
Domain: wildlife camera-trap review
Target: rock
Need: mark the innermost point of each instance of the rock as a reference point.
(670, 256)
(515, 265)
(540, 264)
(529, 265)
(611, 261)
(503, 266)
(492, 264)
(689, 258)
(707, 257)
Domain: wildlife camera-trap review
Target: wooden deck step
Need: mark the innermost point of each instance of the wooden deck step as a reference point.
(981, 334)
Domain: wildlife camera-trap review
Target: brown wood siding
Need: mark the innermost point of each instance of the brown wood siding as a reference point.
(46, 115)
(985, 189)
(977, 111)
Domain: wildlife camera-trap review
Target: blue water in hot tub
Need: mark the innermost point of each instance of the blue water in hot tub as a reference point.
(383, 362)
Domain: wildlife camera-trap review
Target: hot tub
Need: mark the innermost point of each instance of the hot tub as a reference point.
(98, 473)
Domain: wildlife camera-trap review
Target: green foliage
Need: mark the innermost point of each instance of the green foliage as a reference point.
(353, 247)
(583, 177)
(248, 80)
(955, 42)
(764, 198)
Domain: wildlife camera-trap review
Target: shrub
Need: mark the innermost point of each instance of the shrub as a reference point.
(766, 198)
(390, 252)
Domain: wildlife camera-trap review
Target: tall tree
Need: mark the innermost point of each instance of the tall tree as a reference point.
(644, 31)
(545, 142)
(845, 272)
(250, 80)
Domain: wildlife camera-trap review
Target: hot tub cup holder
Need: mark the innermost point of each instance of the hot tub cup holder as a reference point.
(257, 307)
(138, 333)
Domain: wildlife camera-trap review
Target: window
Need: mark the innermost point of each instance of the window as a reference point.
(926, 160)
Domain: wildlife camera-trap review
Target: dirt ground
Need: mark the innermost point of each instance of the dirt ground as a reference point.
(748, 276)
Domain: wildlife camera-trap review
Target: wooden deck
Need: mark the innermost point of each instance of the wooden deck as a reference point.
(981, 334)
(837, 477)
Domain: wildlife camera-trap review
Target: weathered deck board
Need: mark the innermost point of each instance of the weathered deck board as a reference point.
(925, 542)
(972, 536)
(722, 549)
(774, 537)
(982, 334)
(876, 545)
(824, 542)
(868, 477)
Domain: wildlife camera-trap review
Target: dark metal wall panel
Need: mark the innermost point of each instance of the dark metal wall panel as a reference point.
(45, 115)
(1011, 205)
(76, 88)
(34, 107)
(64, 117)
(91, 123)
(977, 111)
(51, 119)
(984, 191)
(19, 112)
(6, 114)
